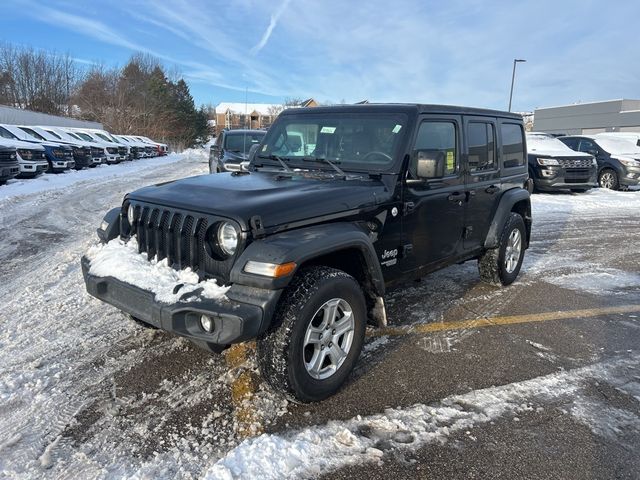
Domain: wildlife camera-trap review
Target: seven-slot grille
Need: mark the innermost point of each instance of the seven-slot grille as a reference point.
(122, 151)
(38, 155)
(575, 162)
(97, 152)
(180, 237)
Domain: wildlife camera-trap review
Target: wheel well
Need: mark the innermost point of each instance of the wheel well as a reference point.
(349, 260)
(523, 208)
(352, 261)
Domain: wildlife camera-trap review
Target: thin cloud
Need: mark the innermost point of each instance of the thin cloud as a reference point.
(272, 24)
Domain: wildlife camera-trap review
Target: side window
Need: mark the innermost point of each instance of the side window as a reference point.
(438, 138)
(512, 145)
(572, 143)
(586, 146)
(482, 146)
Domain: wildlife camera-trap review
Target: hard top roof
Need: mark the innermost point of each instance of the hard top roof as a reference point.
(411, 108)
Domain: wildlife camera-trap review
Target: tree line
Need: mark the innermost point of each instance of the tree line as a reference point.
(138, 99)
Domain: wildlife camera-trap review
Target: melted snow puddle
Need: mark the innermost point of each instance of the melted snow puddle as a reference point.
(319, 449)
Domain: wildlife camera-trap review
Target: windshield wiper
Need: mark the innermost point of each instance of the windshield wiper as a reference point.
(276, 157)
(327, 161)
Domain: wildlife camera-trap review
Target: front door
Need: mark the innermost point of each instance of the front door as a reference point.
(434, 209)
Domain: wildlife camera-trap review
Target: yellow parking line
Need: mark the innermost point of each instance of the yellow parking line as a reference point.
(506, 320)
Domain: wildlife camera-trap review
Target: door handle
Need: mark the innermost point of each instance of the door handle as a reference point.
(457, 197)
(492, 189)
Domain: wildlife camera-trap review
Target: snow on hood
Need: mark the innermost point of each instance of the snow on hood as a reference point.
(545, 145)
(121, 260)
(11, 142)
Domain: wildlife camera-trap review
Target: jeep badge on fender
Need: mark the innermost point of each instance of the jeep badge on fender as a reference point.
(336, 204)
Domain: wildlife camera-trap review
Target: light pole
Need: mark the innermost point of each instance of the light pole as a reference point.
(513, 78)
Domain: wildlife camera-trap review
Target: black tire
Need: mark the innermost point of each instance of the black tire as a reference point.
(608, 178)
(492, 264)
(281, 352)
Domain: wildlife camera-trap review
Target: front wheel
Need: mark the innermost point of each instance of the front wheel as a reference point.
(608, 178)
(317, 335)
(501, 265)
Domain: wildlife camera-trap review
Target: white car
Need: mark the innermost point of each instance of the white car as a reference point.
(31, 156)
(81, 153)
(123, 148)
(98, 151)
(136, 147)
(147, 150)
(114, 152)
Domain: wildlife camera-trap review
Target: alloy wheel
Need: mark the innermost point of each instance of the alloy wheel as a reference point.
(513, 250)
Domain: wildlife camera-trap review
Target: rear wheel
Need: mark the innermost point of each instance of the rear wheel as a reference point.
(501, 265)
(608, 178)
(317, 335)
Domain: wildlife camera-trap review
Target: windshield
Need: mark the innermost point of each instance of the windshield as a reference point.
(72, 135)
(33, 133)
(236, 142)
(102, 137)
(353, 140)
(54, 134)
(85, 136)
(4, 133)
(619, 146)
(546, 144)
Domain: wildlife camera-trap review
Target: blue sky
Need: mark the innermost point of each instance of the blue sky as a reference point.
(455, 52)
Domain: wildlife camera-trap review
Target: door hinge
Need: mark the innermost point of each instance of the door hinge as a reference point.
(409, 207)
(467, 232)
(407, 250)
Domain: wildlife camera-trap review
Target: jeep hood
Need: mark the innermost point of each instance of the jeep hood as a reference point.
(278, 201)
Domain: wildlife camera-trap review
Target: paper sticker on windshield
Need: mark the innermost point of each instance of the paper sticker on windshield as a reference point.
(451, 163)
(396, 129)
(328, 130)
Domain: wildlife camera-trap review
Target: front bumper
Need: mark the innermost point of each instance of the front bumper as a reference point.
(60, 165)
(32, 168)
(243, 315)
(559, 178)
(9, 171)
(630, 176)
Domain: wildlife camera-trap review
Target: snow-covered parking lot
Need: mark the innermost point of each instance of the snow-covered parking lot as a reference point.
(538, 380)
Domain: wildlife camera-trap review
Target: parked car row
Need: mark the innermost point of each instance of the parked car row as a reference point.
(580, 162)
(26, 151)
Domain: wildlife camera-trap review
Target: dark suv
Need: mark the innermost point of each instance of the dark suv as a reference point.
(232, 148)
(618, 159)
(554, 166)
(9, 166)
(307, 241)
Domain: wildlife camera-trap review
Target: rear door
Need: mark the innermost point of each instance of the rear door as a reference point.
(482, 178)
(434, 209)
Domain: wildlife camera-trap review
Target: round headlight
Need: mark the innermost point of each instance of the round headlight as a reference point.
(130, 214)
(227, 238)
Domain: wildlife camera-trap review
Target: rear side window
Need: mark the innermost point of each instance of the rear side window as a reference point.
(512, 145)
(482, 147)
(439, 137)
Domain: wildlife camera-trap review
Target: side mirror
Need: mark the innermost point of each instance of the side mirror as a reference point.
(252, 152)
(430, 164)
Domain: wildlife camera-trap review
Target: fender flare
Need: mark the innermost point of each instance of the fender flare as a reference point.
(507, 201)
(305, 244)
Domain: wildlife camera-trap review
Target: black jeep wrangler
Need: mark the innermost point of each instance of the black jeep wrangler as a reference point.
(309, 238)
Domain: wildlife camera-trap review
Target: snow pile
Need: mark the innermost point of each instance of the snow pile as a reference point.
(316, 450)
(121, 260)
(50, 181)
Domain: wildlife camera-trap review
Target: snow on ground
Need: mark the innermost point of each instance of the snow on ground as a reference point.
(121, 260)
(55, 181)
(85, 393)
(315, 450)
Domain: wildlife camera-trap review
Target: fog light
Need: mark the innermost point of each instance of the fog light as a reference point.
(206, 323)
